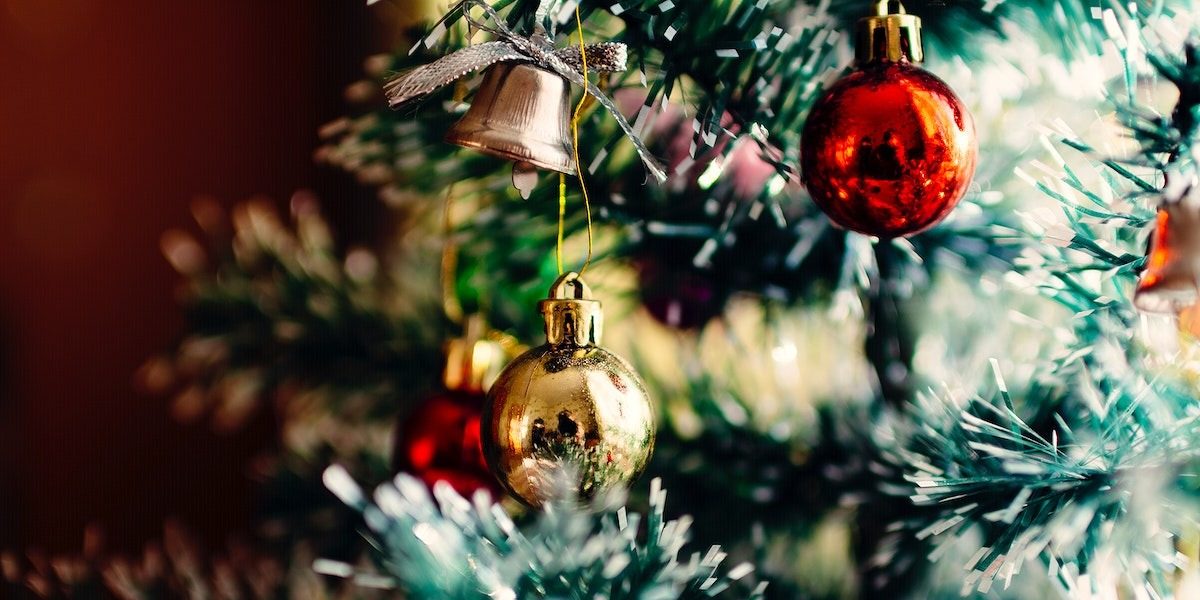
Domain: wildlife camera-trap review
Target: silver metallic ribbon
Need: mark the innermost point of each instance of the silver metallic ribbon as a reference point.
(511, 46)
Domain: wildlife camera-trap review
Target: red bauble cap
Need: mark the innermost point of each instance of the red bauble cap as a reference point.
(889, 149)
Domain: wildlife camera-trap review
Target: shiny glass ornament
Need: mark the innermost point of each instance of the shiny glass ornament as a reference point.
(569, 410)
(676, 295)
(889, 149)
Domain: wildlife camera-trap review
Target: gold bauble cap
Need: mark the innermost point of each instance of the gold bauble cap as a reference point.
(472, 361)
(572, 316)
(887, 35)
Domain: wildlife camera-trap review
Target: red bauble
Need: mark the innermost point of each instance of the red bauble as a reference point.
(889, 150)
(439, 441)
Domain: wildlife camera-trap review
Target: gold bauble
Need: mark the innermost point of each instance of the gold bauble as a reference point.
(568, 410)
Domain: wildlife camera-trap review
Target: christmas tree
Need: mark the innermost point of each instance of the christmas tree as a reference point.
(898, 301)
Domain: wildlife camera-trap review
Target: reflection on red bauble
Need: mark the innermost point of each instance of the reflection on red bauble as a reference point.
(888, 150)
(439, 441)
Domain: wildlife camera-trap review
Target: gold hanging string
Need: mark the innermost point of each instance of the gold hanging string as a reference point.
(450, 302)
(587, 206)
(562, 213)
(562, 179)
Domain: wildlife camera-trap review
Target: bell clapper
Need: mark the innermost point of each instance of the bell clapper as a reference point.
(524, 177)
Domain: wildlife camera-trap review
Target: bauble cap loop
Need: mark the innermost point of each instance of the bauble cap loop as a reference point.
(572, 316)
(887, 35)
(570, 280)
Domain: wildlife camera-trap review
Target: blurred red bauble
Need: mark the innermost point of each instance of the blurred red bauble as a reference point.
(889, 149)
(439, 441)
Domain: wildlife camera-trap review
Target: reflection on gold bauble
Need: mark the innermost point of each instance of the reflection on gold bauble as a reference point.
(568, 410)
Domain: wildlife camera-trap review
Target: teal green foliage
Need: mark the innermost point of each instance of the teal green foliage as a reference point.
(1109, 441)
(446, 546)
(740, 77)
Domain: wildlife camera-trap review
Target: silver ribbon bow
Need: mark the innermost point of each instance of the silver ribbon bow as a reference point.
(511, 46)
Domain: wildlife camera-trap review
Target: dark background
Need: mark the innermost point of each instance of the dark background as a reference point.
(113, 116)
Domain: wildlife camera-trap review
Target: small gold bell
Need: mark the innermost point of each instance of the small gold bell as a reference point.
(1171, 281)
(568, 409)
(520, 112)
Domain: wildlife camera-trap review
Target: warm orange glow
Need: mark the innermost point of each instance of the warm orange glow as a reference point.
(1160, 253)
(1189, 320)
(1170, 281)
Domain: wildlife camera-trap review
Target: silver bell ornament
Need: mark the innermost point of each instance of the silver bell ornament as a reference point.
(568, 410)
(521, 112)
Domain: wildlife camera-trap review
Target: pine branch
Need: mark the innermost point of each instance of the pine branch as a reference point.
(175, 566)
(446, 546)
(280, 314)
(1058, 497)
(1105, 457)
(1171, 142)
(748, 111)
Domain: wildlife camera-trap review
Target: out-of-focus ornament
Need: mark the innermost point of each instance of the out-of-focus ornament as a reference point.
(676, 295)
(439, 440)
(1189, 321)
(568, 410)
(889, 149)
(1171, 281)
(521, 110)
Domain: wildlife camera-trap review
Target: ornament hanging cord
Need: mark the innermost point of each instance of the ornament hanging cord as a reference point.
(450, 303)
(562, 178)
